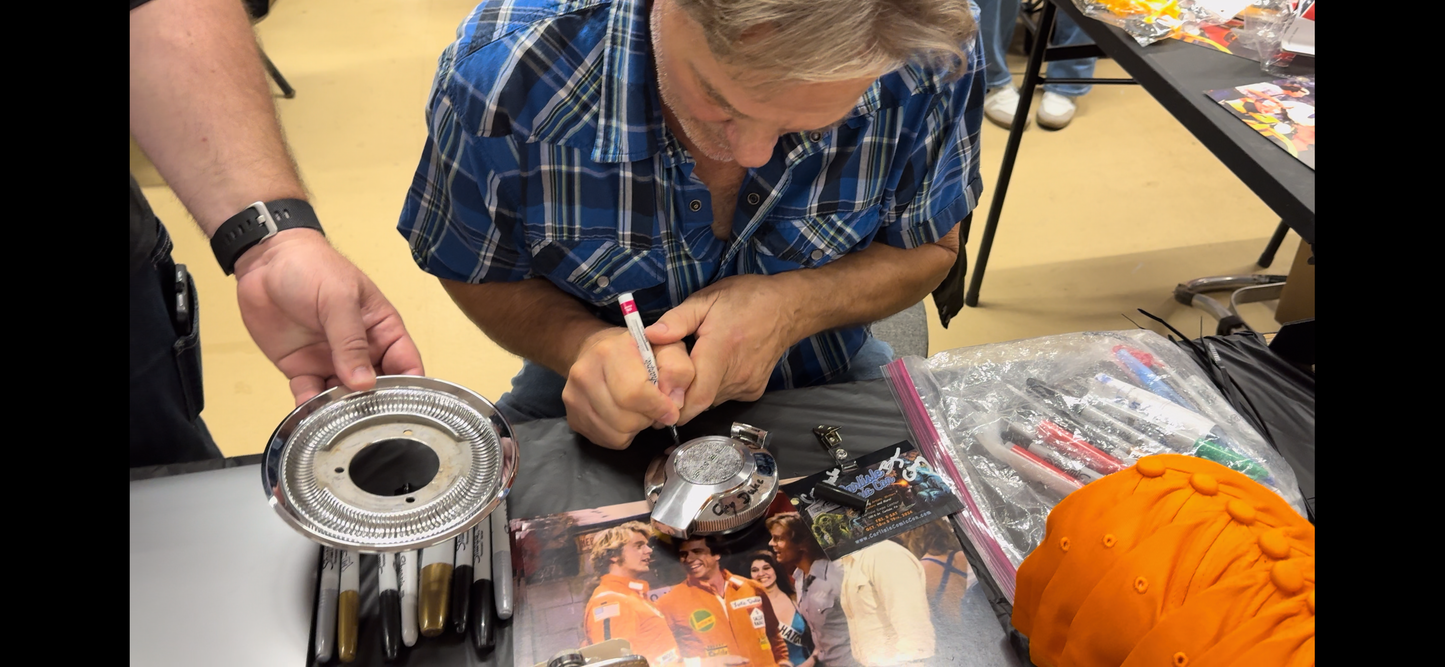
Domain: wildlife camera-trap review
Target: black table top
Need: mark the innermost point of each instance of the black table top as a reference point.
(1178, 75)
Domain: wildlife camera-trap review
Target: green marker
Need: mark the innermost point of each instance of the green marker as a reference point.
(1207, 448)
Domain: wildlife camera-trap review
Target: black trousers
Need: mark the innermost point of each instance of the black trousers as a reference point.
(166, 397)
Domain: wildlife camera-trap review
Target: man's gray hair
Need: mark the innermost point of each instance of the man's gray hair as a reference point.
(832, 40)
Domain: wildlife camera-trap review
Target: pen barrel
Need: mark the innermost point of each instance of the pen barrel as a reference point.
(391, 639)
(482, 618)
(841, 496)
(461, 580)
(482, 554)
(1213, 451)
(407, 576)
(1073, 447)
(502, 583)
(436, 586)
(348, 606)
(1151, 380)
(347, 609)
(326, 599)
(501, 562)
(639, 337)
(1154, 408)
(461, 596)
(1076, 469)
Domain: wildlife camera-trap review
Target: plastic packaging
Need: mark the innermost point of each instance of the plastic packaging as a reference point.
(1017, 426)
(1149, 21)
(1265, 23)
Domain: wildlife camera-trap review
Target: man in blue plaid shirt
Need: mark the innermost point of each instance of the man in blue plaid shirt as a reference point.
(765, 176)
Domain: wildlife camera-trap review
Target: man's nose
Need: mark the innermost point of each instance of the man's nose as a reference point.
(751, 148)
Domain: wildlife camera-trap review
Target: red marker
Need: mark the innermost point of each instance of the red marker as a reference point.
(1143, 357)
(1031, 466)
(1076, 448)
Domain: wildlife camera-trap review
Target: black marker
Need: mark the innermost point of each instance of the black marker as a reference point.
(390, 600)
(836, 494)
(484, 613)
(461, 583)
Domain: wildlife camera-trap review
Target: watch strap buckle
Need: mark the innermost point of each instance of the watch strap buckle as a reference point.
(263, 215)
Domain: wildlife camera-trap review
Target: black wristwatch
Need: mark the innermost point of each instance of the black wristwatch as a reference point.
(260, 221)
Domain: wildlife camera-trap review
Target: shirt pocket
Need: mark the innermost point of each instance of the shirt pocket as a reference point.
(596, 270)
(811, 242)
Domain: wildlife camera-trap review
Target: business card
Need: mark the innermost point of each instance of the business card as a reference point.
(903, 491)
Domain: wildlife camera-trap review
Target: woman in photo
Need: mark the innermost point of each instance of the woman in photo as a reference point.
(764, 569)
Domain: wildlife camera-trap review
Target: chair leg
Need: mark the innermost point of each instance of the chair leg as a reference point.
(286, 90)
(1267, 257)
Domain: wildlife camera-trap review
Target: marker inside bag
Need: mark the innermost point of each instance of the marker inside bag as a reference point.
(1073, 447)
(1075, 469)
(1150, 379)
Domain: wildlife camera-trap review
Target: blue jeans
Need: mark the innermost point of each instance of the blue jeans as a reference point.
(537, 390)
(996, 28)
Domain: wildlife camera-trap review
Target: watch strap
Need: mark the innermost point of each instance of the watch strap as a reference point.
(258, 222)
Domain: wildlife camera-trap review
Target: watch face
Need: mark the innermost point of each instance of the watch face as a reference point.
(709, 462)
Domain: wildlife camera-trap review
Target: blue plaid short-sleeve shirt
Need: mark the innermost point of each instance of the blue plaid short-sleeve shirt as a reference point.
(547, 156)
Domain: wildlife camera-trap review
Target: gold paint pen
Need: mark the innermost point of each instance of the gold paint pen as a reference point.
(348, 607)
(436, 586)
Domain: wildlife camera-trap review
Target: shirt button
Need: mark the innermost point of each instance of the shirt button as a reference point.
(753, 199)
(815, 136)
(695, 205)
(603, 282)
(817, 255)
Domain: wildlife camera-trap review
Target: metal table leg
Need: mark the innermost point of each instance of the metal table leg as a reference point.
(286, 90)
(1011, 151)
(1267, 257)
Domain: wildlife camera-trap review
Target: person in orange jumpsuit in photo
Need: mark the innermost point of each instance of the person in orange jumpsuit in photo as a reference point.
(716, 613)
(619, 607)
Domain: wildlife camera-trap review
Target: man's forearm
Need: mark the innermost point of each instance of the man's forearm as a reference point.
(867, 286)
(530, 318)
(201, 108)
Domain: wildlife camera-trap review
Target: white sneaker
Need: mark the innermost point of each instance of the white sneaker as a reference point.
(1000, 104)
(1056, 111)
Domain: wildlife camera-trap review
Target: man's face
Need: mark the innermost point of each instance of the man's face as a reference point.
(724, 118)
(787, 552)
(636, 557)
(698, 560)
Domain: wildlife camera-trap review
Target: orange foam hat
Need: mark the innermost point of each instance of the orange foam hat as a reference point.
(1172, 547)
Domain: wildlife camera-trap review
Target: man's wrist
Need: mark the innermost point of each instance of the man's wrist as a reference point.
(802, 296)
(256, 254)
(587, 335)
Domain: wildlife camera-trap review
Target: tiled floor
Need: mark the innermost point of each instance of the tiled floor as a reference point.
(1103, 218)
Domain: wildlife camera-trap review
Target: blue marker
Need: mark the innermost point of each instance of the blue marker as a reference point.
(1152, 381)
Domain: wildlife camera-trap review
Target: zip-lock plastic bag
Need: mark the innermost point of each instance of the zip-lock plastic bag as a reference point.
(1017, 426)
